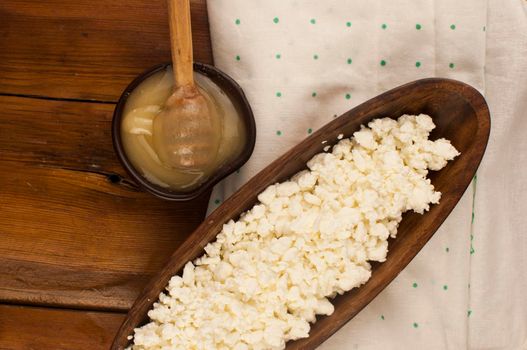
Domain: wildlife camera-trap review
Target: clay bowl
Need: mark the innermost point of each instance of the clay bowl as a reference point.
(235, 94)
(461, 115)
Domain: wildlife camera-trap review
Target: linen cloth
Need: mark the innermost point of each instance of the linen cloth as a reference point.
(302, 63)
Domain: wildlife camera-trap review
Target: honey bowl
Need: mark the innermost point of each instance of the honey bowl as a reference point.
(135, 152)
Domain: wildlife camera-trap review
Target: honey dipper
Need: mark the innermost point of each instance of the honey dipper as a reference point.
(187, 131)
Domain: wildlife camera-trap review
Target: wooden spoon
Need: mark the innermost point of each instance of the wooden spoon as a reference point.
(187, 131)
(460, 114)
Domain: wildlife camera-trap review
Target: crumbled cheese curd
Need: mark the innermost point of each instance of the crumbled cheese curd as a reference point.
(269, 274)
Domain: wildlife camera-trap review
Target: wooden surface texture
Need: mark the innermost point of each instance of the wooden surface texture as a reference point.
(36, 328)
(77, 237)
(87, 49)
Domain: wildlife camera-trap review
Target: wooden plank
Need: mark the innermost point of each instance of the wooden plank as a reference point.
(75, 230)
(33, 328)
(60, 134)
(86, 49)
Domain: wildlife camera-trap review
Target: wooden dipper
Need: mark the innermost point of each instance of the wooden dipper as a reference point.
(187, 131)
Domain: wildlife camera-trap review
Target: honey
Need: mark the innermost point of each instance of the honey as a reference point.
(146, 102)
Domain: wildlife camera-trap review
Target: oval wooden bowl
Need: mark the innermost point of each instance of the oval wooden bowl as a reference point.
(461, 115)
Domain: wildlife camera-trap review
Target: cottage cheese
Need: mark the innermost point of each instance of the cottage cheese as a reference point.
(269, 274)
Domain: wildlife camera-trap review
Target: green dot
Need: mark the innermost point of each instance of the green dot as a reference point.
(309, 131)
(278, 56)
(384, 26)
(414, 285)
(278, 132)
(445, 287)
(382, 317)
(348, 24)
(238, 171)
(447, 249)
(237, 22)
(217, 201)
(348, 96)
(418, 26)
(313, 21)
(278, 94)
(315, 57)
(484, 28)
(418, 64)
(469, 312)
(349, 60)
(276, 20)
(471, 237)
(472, 251)
(237, 57)
(452, 26)
(313, 94)
(451, 65)
(416, 325)
(383, 62)
(334, 115)
(473, 217)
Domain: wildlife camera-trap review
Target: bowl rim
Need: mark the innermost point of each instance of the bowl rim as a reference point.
(234, 93)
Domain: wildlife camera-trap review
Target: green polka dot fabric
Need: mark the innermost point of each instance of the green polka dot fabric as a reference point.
(301, 64)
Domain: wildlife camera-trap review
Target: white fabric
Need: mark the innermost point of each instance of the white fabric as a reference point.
(465, 289)
(498, 273)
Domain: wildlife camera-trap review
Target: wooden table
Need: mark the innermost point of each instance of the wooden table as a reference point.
(78, 239)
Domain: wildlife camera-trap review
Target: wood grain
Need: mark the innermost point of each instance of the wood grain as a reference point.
(181, 42)
(75, 230)
(87, 49)
(34, 328)
(461, 115)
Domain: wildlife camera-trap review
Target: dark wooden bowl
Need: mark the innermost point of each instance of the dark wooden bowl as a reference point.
(235, 94)
(461, 115)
